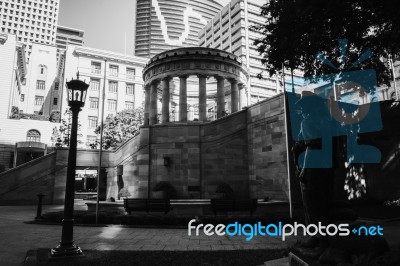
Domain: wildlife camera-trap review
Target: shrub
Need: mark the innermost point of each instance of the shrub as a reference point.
(35, 117)
(14, 112)
(55, 116)
(124, 193)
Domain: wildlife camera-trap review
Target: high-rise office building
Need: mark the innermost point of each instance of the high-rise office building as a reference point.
(66, 36)
(166, 24)
(30, 20)
(229, 31)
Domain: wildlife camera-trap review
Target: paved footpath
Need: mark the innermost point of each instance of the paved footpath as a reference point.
(16, 237)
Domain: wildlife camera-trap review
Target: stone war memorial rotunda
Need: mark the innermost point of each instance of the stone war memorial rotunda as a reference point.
(201, 63)
(242, 146)
(199, 134)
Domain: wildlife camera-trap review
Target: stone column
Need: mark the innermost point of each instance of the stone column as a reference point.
(165, 100)
(234, 96)
(220, 96)
(202, 98)
(146, 104)
(153, 102)
(182, 99)
(243, 96)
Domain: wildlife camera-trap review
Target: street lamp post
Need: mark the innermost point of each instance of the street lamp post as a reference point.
(76, 100)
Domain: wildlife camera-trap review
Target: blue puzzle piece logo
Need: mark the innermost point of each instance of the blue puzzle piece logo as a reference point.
(326, 109)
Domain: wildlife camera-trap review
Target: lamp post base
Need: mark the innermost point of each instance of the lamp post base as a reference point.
(66, 250)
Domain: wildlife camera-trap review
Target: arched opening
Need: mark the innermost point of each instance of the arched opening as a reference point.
(42, 69)
(33, 135)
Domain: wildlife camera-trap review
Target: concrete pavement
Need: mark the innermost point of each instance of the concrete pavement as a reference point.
(16, 237)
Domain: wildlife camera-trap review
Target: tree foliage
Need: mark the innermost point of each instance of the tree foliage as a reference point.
(60, 136)
(121, 127)
(296, 30)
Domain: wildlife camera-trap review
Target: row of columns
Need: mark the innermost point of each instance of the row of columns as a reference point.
(150, 112)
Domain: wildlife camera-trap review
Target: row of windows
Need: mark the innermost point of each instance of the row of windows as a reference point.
(113, 70)
(5, 10)
(28, 17)
(112, 106)
(4, 30)
(112, 87)
(31, 22)
(39, 100)
(24, 2)
(93, 103)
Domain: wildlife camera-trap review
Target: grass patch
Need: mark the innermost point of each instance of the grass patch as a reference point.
(176, 258)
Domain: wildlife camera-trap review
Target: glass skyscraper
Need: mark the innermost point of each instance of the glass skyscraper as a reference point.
(166, 24)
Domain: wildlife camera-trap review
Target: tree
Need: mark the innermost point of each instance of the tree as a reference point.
(121, 127)
(295, 31)
(60, 136)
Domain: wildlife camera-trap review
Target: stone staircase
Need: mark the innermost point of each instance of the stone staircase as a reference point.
(20, 185)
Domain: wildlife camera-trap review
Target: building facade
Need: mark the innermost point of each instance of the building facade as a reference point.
(229, 31)
(40, 92)
(167, 24)
(24, 134)
(30, 20)
(119, 74)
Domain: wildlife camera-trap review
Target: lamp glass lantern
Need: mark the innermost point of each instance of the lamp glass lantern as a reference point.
(77, 90)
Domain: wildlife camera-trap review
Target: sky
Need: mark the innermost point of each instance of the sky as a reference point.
(105, 22)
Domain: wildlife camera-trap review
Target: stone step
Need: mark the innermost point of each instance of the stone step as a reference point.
(278, 262)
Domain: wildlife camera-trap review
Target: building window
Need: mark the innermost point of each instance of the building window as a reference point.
(40, 84)
(96, 67)
(112, 86)
(94, 84)
(33, 135)
(129, 105)
(130, 73)
(56, 85)
(112, 105)
(92, 121)
(39, 100)
(91, 140)
(130, 89)
(113, 71)
(22, 99)
(94, 103)
(55, 101)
